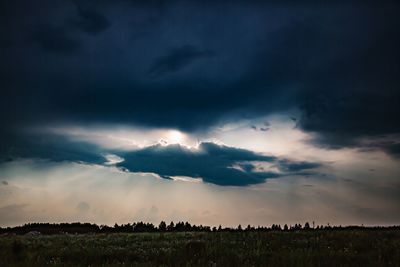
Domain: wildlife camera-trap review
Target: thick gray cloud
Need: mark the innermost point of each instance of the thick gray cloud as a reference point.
(90, 21)
(337, 63)
(392, 148)
(54, 39)
(49, 146)
(177, 59)
(217, 164)
(297, 166)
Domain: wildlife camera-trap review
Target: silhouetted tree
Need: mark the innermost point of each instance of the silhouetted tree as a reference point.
(171, 227)
(162, 226)
(276, 227)
(81, 228)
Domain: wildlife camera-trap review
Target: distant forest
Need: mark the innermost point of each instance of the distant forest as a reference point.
(142, 227)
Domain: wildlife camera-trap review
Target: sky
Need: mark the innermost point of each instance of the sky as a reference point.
(212, 112)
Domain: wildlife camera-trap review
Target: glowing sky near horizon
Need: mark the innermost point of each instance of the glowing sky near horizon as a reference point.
(345, 190)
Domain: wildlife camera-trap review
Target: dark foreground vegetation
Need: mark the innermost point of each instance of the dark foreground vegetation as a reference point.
(141, 227)
(301, 246)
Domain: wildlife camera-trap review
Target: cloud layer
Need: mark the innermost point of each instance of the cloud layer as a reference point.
(213, 163)
(217, 164)
(190, 65)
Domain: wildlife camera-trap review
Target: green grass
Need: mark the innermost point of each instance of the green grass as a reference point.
(314, 248)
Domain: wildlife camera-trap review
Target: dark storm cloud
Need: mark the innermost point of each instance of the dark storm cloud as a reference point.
(297, 166)
(394, 150)
(51, 147)
(219, 86)
(63, 38)
(340, 120)
(216, 164)
(177, 59)
(355, 96)
(213, 163)
(337, 63)
(90, 21)
(55, 39)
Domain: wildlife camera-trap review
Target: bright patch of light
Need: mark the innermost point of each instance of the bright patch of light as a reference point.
(123, 138)
(186, 179)
(113, 159)
(175, 137)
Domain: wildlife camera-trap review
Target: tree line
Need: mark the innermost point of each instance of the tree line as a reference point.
(142, 227)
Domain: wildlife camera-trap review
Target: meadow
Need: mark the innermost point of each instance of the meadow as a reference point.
(246, 248)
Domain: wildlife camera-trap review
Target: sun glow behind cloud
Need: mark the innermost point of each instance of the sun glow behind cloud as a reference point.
(175, 137)
(341, 196)
(122, 137)
(276, 135)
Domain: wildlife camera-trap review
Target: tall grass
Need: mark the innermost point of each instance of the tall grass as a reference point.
(314, 248)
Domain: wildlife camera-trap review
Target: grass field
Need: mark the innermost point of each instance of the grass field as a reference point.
(303, 248)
